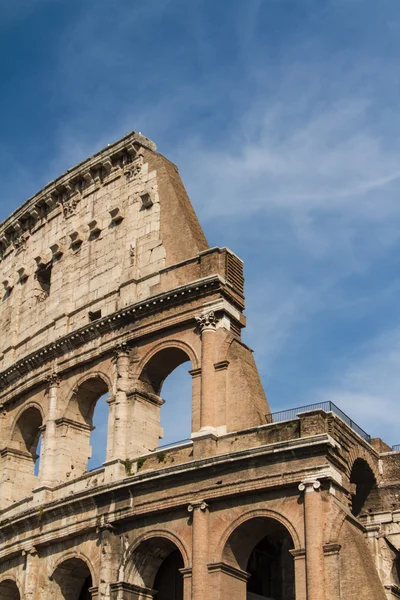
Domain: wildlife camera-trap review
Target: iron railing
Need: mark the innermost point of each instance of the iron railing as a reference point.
(292, 413)
(172, 444)
(396, 448)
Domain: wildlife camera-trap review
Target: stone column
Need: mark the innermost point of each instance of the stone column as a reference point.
(332, 561)
(313, 530)
(31, 574)
(199, 511)
(299, 556)
(207, 323)
(106, 534)
(48, 468)
(121, 403)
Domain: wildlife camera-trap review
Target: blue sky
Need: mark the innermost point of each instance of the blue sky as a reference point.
(283, 116)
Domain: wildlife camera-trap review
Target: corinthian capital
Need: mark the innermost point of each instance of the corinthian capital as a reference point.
(207, 320)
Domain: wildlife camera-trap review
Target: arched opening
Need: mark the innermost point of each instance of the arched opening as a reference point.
(155, 568)
(38, 454)
(27, 436)
(9, 590)
(167, 375)
(363, 482)
(261, 548)
(72, 580)
(87, 415)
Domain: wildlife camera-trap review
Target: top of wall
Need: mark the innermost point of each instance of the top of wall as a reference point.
(67, 183)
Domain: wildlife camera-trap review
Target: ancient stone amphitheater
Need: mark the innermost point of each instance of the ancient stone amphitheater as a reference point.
(109, 285)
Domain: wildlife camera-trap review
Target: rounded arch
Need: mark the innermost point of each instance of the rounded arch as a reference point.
(161, 360)
(249, 516)
(357, 452)
(9, 588)
(71, 576)
(56, 562)
(84, 394)
(31, 404)
(158, 533)
(145, 556)
(27, 428)
(362, 482)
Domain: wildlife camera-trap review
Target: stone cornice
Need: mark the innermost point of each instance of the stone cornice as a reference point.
(117, 320)
(65, 192)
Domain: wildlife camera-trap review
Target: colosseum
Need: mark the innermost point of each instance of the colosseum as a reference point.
(108, 286)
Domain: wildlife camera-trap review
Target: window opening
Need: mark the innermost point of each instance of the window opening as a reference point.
(176, 413)
(98, 437)
(43, 276)
(94, 316)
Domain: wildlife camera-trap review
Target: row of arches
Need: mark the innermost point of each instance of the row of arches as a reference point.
(88, 407)
(260, 548)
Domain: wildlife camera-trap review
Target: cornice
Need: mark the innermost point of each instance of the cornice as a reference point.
(65, 192)
(116, 321)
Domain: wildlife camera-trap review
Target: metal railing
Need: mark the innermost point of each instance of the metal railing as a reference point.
(396, 448)
(171, 444)
(292, 413)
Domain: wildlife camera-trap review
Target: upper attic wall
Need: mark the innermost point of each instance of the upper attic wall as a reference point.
(93, 240)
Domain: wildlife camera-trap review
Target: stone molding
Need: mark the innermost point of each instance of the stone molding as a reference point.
(228, 570)
(65, 192)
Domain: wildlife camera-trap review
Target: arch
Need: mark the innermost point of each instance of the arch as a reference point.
(71, 578)
(85, 394)
(78, 415)
(260, 547)
(155, 562)
(9, 589)
(167, 346)
(27, 428)
(250, 515)
(358, 452)
(363, 481)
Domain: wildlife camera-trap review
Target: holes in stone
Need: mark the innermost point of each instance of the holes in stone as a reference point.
(95, 315)
(43, 276)
(147, 202)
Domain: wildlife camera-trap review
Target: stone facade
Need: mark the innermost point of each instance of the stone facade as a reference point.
(109, 285)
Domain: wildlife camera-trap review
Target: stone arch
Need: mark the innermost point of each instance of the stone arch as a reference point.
(77, 422)
(22, 410)
(9, 588)
(358, 452)
(70, 575)
(104, 384)
(362, 481)
(258, 546)
(249, 515)
(27, 430)
(147, 555)
(161, 360)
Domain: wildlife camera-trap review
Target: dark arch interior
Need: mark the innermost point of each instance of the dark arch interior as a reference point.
(156, 565)
(9, 590)
(364, 482)
(160, 366)
(72, 580)
(86, 397)
(28, 429)
(261, 547)
(169, 581)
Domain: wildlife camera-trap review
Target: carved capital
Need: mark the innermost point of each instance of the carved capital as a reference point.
(199, 505)
(53, 380)
(309, 485)
(207, 321)
(121, 350)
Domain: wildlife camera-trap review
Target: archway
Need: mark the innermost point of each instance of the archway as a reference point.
(26, 438)
(261, 548)
(88, 412)
(9, 590)
(155, 568)
(167, 374)
(71, 580)
(363, 482)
